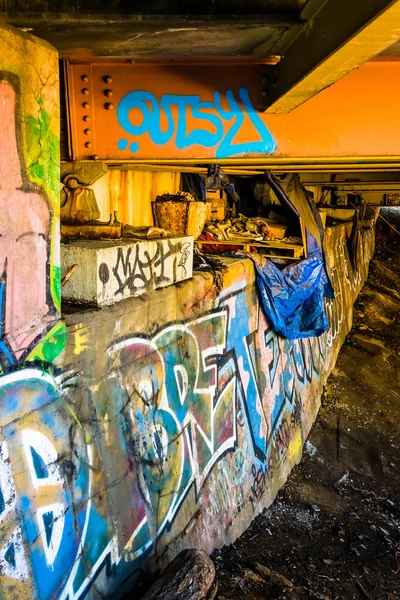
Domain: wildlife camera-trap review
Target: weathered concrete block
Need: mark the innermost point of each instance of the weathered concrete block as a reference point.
(109, 272)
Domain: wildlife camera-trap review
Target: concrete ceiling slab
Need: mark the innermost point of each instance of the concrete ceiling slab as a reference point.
(124, 28)
(153, 7)
(156, 37)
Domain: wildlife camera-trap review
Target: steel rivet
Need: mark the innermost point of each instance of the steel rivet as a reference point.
(108, 93)
(107, 79)
(85, 91)
(85, 78)
(85, 105)
(86, 118)
(87, 131)
(88, 144)
(109, 106)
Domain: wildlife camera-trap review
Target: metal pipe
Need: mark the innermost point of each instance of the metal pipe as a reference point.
(252, 168)
(334, 184)
(271, 160)
(333, 166)
(281, 168)
(349, 169)
(355, 188)
(181, 169)
(155, 167)
(258, 170)
(242, 172)
(322, 168)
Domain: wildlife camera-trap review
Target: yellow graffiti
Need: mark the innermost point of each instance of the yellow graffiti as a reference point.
(295, 446)
(73, 413)
(81, 341)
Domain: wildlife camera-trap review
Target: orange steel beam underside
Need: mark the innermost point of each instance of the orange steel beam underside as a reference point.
(353, 124)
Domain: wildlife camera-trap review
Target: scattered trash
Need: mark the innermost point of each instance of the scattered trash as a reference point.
(343, 480)
(310, 449)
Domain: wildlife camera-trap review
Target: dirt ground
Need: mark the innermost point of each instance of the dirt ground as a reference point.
(334, 530)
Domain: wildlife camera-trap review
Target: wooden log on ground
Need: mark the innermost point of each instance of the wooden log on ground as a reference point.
(274, 578)
(190, 576)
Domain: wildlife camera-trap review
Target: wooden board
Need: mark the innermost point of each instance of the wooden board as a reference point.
(296, 249)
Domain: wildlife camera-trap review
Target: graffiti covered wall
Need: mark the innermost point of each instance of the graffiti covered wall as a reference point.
(131, 432)
(29, 200)
(167, 423)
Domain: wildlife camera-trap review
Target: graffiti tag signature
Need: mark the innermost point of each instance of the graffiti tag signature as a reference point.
(153, 113)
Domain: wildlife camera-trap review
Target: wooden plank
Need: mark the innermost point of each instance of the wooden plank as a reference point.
(296, 249)
(241, 242)
(303, 236)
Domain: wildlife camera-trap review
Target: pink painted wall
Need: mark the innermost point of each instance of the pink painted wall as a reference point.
(24, 248)
(29, 198)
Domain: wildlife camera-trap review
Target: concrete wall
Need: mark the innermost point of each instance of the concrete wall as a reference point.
(167, 423)
(113, 270)
(29, 199)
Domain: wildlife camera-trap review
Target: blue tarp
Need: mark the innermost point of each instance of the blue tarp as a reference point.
(293, 298)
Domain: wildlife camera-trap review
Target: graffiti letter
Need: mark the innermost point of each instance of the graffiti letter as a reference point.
(265, 145)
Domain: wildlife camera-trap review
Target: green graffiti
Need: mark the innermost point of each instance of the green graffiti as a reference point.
(51, 346)
(43, 164)
(43, 152)
(56, 279)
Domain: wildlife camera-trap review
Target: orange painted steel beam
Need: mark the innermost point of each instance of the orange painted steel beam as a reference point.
(193, 114)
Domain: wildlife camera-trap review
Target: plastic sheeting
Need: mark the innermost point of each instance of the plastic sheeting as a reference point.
(293, 298)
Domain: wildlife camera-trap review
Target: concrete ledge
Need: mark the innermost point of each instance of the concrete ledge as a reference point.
(110, 271)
